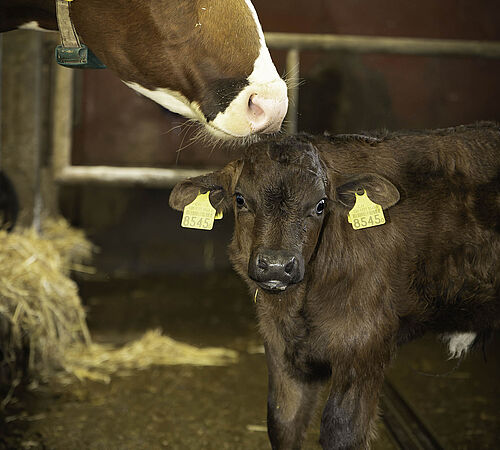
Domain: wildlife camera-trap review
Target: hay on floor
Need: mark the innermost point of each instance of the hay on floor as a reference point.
(71, 243)
(99, 362)
(40, 311)
(43, 332)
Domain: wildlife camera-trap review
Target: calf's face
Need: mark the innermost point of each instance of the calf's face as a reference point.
(279, 211)
(280, 193)
(279, 200)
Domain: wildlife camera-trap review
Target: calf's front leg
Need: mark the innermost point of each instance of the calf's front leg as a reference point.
(348, 420)
(290, 405)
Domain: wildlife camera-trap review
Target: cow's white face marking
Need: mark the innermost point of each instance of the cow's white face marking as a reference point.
(33, 25)
(235, 121)
(172, 100)
(263, 81)
(458, 343)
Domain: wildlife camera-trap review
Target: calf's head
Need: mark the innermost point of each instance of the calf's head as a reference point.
(282, 194)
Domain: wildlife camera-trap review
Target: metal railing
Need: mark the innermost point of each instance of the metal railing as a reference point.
(294, 44)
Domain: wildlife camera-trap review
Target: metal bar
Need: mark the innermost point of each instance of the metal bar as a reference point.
(390, 45)
(126, 176)
(292, 77)
(405, 426)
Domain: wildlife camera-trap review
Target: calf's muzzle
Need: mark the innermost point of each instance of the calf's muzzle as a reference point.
(275, 270)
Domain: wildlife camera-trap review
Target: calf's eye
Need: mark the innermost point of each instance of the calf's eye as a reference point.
(240, 201)
(320, 207)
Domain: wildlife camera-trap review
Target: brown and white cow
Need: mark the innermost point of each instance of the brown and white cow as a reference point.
(334, 303)
(204, 59)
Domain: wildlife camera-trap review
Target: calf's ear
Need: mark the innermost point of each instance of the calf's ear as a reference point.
(220, 184)
(379, 189)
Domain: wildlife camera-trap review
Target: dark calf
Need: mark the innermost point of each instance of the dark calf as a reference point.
(339, 311)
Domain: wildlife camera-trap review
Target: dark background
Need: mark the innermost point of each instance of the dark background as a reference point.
(135, 229)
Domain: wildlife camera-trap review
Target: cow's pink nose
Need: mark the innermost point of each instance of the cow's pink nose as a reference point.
(266, 114)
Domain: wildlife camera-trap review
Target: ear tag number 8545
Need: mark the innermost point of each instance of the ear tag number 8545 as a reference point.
(200, 214)
(365, 213)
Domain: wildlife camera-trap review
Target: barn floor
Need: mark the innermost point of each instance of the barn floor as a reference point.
(186, 407)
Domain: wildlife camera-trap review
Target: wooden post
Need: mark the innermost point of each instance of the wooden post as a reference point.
(21, 117)
(26, 134)
(59, 123)
(292, 75)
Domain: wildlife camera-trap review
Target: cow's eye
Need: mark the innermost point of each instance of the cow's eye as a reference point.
(240, 201)
(320, 207)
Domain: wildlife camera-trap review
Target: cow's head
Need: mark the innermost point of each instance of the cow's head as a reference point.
(204, 59)
(282, 193)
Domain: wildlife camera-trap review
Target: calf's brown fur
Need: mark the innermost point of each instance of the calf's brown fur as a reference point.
(434, 266)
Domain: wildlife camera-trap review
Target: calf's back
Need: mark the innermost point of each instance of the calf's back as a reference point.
(435, 264)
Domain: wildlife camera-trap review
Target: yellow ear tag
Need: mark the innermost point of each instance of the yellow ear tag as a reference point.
(365, 213)
(199, 214)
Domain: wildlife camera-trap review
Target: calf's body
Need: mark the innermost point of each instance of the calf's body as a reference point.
(340, 301)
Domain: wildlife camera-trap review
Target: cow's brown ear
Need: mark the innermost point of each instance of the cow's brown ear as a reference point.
(379, 189)
(220, 184)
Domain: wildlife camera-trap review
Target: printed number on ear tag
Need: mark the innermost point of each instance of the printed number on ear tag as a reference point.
(365, 213)
(199, 214)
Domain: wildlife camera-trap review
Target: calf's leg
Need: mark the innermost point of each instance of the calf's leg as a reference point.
(290, 405)
(349, 416)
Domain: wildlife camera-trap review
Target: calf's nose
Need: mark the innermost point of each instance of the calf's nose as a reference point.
(275, 269)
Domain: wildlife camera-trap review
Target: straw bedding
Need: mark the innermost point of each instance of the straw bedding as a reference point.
(98, 362)
(40, 310)
(43, 333)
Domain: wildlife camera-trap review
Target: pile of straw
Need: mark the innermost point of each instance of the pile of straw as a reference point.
(72, 245)
(98, 362)
(40, 311)
(43, 332)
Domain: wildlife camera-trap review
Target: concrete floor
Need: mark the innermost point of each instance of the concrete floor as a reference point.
(185, 407)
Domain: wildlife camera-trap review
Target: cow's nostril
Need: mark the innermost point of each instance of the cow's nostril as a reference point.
(262, 263)
(290, 266)
(265, 114)
(256, 111)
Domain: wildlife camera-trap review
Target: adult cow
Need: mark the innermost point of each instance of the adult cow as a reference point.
(204, 59)
(334, 302)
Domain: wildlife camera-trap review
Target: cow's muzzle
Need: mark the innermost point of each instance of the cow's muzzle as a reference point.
(275, 270)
